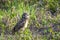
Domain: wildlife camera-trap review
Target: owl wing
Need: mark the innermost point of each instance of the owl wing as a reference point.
(19, 25)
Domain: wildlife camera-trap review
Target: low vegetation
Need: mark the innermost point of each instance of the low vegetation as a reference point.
(44, 23)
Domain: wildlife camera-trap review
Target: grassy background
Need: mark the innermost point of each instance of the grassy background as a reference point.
(43, 14)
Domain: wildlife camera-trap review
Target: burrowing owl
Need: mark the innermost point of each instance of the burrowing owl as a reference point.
(22, 24)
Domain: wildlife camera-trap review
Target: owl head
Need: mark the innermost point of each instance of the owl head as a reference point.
(25, 15)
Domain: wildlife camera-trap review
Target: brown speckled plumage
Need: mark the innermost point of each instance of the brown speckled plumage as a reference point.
(21, 23)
